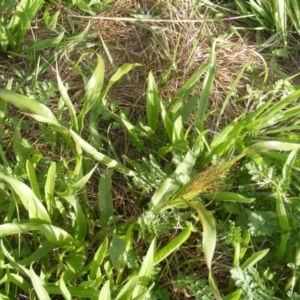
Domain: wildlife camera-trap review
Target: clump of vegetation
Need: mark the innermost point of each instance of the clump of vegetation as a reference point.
(156, 158)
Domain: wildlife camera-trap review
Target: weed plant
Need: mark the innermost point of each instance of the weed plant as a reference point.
(212, 210)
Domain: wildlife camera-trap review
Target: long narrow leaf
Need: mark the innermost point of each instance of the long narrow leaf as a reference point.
(30, 201)
(27, 104)
(55, 235)
(153, 102)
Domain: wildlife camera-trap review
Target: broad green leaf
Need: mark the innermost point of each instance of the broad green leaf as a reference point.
(38, 285)
(254, 258)
(105, 201)
(33, 180)
(105, 291)
(173, 245)
(111, 163)
(228, 196)
(26, 104)
(153, 102)
(98, 258)
(145, 271)
(55, 235)
(33, 205)
(92, 91)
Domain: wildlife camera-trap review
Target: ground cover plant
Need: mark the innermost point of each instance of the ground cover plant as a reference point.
(149, 150)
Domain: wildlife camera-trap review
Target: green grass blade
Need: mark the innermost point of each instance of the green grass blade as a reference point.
(123, 70)
(173, 245)
(111, 163)
(19, 281)
(105, 201)
(66, 99)
(26, 104)
(287, 171)
(77, 186)
(38, 286)
(33, 180)
(234, 295)
(206, 88)
(41, 252)
(127, 290)
(19, 149)
(208, 240)
(98, 258)
(145, 271)
(171, 184)
(153, 102)
(229, 94)
(46, 43)
(168, 124)
(187, 88)
(74, 264)
(50, 187)
(254, 258)
(33, 205)
(92, 93)
(12, 262)
(82, 293)
(64, 290)
(80, 222)
(55, 235)
(105, 291)
(271, 146)
(116, 251)
(227, 196)
(133, 132)
(178, 133)
(209, 231)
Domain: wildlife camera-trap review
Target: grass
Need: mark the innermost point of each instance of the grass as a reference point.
(149, 150)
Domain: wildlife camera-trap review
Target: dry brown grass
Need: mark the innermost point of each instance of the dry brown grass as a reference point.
(154, 46)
